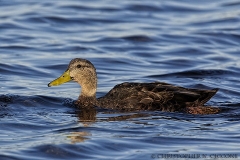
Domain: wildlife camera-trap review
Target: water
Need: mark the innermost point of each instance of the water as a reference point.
(186, 43)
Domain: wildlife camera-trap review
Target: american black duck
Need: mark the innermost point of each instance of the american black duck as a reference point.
(135, 96)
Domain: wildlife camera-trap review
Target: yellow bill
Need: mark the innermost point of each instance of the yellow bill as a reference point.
(65, 77)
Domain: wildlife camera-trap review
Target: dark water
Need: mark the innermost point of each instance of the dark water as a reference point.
(189, 43)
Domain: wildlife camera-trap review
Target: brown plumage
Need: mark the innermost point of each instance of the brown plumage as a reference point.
(155, 96)
(135, 96)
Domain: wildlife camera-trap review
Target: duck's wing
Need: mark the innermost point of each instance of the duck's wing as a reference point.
(154, 96)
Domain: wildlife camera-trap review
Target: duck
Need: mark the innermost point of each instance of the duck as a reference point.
(133, 96)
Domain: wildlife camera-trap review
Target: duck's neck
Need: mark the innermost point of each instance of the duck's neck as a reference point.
(88, 92)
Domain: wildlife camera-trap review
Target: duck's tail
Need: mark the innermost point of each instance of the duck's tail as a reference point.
(199, 108)
(207, 96)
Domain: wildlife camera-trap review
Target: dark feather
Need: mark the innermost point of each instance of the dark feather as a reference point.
(156, 96)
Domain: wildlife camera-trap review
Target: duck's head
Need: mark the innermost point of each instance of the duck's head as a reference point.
(81, 71)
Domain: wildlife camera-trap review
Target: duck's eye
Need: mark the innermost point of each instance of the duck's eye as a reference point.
(79, 66)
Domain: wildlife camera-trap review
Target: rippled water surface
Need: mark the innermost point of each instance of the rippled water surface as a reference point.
(188, 43)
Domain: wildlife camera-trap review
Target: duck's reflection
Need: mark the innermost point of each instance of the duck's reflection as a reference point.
(78, 137)
(87, 116)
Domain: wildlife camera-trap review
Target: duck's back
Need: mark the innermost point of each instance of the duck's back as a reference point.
(154, 96)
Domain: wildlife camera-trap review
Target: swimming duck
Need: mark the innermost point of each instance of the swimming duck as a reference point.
(135, 96)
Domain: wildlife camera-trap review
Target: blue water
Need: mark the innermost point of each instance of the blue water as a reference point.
(187, 43)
